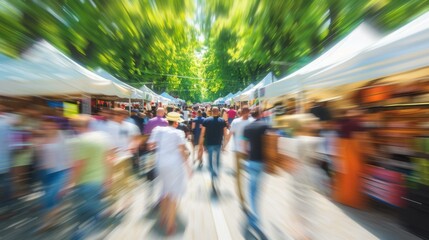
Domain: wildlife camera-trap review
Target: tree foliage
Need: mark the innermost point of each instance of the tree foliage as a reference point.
(245, 37)
(194, 49)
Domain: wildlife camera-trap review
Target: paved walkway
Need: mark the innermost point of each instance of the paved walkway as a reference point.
(204, 215)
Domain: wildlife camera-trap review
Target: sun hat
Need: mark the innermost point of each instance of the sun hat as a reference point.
(174, 117)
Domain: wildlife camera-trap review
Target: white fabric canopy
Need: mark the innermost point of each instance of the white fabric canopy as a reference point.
(150, 95)
(362, 37)
(169, 97)
(135, 93)
(45, 71)
(238, 97)
(230, 99)
(253, 92)
(403, 50)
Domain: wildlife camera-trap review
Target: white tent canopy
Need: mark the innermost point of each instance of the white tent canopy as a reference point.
(169, 97)
(45, 71)
(135, 93)
(237, 98)
(149, 94)
(403, 50)
(253, 92)
(230, 99)
(362, 37)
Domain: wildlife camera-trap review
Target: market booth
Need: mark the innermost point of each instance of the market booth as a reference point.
(397, 109)
(389, 81)
(45, 77)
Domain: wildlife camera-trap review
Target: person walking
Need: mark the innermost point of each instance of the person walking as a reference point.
(253, 137)
(91, 173)
(171, 166)
(157, 121)
(237, 131)
(54, 163)
(306, 173)
(212, 136)
(196, 126)
(231, 114)
(5, 165)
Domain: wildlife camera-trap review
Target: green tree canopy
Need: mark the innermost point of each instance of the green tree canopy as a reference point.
(197, 50)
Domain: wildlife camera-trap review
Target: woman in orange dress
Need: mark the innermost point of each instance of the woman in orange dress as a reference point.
(349, 164)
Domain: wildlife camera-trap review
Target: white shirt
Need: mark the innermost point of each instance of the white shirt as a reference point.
(168, 140)
(237, 129)
(55, 156)
(122, 135)
(186, 115)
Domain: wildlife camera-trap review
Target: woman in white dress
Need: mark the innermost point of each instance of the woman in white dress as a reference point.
(171, 166)
(306, 173)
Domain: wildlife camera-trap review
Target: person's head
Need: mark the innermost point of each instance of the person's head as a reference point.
(200, 113)
(215, 111)
(135, 112)
(174, 119)
(119, 114)
(239, 113)
(81, 122)
(245, 112)
(105, 113)
(49, 124)
(256, 113)
(160, 112)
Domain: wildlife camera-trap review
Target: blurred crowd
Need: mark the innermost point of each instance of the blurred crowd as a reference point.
(96, 158)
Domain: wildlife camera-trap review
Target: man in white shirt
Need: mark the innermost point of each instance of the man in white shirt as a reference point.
(237, 129)
(123, 133)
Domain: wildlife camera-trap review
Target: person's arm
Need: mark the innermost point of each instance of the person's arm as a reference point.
(246, 146)
(226, 140)
(76, 172)
(202, 135)
(109, 163)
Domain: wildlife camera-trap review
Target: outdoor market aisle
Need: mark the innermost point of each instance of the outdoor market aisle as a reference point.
(204, 215)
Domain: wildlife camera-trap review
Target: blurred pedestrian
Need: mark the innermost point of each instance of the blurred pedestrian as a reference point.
(156, 121)
(197, 124)
(137, 119)
(255, 164)
(172, 167)
(237, 130)
(91, 173)
(5, 165)
(348, 187)
(231, 114)
(306, 172)
(212, 137)
(54, 163)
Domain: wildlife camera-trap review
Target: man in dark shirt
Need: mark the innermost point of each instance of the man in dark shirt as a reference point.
(212, 133)
(321, 111)
(137, 119)
(253, 137)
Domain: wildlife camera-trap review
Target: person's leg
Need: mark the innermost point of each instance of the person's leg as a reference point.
(164, 211)
(88, 197)
(218, 153)
(255, 171)
(238, 157)
(5, 194)
(210, 151)
(172, 209)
